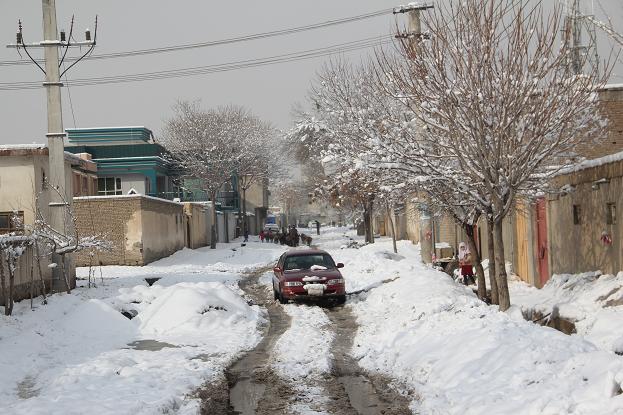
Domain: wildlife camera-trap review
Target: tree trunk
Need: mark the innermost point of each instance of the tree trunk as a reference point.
(3, 290)
(500, 265)
(476, 261)
(492, 281)
(41, 277)
(244, 212)
(8, 307)
(65, 274)
(214, 229)
(391, 224)
(367, 220)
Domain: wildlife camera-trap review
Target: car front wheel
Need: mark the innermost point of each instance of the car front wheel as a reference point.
(341, 299)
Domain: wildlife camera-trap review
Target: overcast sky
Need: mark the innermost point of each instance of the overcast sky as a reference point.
(269, 91)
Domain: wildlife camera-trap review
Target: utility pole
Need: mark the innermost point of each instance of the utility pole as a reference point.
(415, 36)
(56, 133)
(414, 23)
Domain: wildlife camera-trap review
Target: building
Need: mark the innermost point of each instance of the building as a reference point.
(128, 160)
(24, 192)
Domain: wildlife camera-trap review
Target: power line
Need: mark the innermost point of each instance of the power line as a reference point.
(208, 69)
(245, 38)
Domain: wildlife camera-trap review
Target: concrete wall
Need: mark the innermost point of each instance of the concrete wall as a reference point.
(197, 225)
(163, 228)
(578, 248)
(141, 229)
(133, 181)
(22, 175)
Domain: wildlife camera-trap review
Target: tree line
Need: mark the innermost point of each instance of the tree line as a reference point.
(468, 120)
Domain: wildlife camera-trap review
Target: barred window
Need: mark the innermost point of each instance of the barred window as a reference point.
(11, 222)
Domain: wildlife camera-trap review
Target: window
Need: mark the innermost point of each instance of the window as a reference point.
(577, 214)
(611, 213)
(107, 186)
(307, 261)
(11, 222)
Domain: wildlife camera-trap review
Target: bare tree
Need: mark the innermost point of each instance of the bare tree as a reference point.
(499, 110)
(205, 145)
(259, 152)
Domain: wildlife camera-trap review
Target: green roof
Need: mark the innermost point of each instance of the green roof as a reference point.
(108, 135)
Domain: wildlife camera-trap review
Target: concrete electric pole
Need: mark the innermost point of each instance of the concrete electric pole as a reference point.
(414, 23)
(415, 35)
(56, 133)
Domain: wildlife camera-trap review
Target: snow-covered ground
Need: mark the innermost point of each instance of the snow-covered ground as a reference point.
(78, 354)
(459, 355)
(302, 355)
(594, 302)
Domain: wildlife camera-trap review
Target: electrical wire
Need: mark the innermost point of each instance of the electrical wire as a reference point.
(245, 38)
(223, 67)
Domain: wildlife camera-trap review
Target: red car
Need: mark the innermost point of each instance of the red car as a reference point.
(308, 274)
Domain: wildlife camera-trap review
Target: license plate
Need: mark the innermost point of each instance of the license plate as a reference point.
(315, 291)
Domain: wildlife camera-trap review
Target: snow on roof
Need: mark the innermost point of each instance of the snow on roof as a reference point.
(33, 146)
(133, 196)
(611, 86)
(587, 164)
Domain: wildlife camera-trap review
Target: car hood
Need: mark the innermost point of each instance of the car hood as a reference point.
(325, 274)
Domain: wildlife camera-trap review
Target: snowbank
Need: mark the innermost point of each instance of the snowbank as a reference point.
(594, 302)
(461, 356)
(79, 354)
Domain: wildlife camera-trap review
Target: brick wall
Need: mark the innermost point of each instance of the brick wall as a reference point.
(141, 229)
(611, 108)
(109, 218)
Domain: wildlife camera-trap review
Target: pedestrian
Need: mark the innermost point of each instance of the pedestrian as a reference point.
(262, 235)
(294, 236)
(317, 227)
(246, 234)
(465, 264)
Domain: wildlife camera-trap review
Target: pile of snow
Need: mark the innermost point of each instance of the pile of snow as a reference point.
(594, 302)
(79, 352)
(460, 355)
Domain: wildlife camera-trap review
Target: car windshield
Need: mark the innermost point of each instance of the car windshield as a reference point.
(307, 261)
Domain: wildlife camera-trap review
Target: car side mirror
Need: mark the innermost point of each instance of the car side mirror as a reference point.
(339, 265)
(277, 269)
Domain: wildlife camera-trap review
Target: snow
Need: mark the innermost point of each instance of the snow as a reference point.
(594, 302)
(302, 355)
(79, 352)
(455, 354)
(33, 146)
(317, 267)
(459, 355)
(587, 164)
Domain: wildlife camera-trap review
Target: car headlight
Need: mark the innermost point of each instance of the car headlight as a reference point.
(293, 283)
(337, 281)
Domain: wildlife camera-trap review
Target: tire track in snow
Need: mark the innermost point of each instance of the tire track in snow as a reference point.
(353, 391)
(254, 388)
(303, 357)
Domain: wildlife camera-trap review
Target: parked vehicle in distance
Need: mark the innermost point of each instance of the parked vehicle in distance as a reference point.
(308, 274)
(272, 227)
(312, 224)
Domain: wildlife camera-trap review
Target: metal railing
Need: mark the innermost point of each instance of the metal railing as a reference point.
(228, 200)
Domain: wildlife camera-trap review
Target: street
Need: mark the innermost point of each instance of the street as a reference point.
(208, 338)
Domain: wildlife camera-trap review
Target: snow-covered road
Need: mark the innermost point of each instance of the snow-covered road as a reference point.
(208, 335)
